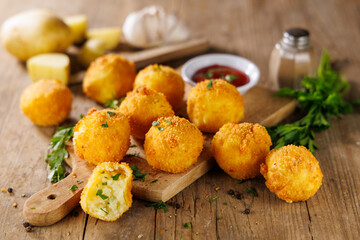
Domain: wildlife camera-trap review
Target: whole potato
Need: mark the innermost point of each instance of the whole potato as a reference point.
(34, 32)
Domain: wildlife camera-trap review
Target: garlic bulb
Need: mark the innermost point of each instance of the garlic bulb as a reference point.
(152, 26)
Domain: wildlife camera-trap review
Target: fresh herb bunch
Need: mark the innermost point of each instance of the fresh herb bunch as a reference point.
(321, 98)
(58, 152)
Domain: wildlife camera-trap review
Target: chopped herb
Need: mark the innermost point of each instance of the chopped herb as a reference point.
(168, 122)
(214, 198)
(79, 182)
(104, 183)
(239, 181)
(225, 203)
(116, 177)
(137, 174)
(155, 123)
(181, 238)
(154, 181)
(209, 86)
(188, 225)
(157, 68)
(102, 172)
(135, 154)
(208, 75)
(230, 77)
(218, 218)
(161, 128)
(158, 205)
(110, 113)
(99, 193)
(58, 153)
(104, 211)
(105, 125)
(81, 116)
(73, 187)
(132, 145)
(33, 208)
(252, 191)
(114, 103)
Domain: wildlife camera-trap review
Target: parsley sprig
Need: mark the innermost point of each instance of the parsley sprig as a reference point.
(58, 152)
(137, 174)
(321, 98)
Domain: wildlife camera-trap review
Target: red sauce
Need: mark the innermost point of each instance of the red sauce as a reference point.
(229, 74)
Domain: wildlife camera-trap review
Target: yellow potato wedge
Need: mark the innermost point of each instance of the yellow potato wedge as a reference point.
(77, 24)
(111, 36)
(92, 49)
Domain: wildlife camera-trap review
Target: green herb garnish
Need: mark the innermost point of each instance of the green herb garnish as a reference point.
(105, 125)
(208, 75)
(110, 113)
(239, 181)
(114, 103)
(33, 208)
(214, 198)
(104, 183)
(168, 122)
(218, 218)
(137, 174)
(81, 116)
(79, 181)
(73, 187)
(135, 154)
(154, 181)
(188, 225)
(99, 193)
(161, 128)
(209, 86)
(132, 145)
(230, 77)
(158, 205)
(155, 123)
(58, 152)
(252, 191)
(321, 98)
(225, 203)
(116, 177)
(104, 211)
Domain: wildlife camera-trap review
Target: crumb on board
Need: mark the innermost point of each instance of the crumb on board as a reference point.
(140, 236)
(14, 205)
(68, 234)
(3, 189)
(74, 174)
(161, 232)
(23, 195)
(217, 188)
(54, 184)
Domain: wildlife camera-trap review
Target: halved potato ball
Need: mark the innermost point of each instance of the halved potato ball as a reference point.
(143, 106)
(212, 103)
(109, 77)
(102, 136)
(163, 79)
(107, 194)
(46, 102)
(292, 173)
(173, 144)
(239, 149)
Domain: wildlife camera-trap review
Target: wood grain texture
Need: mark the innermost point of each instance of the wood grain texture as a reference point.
(248, 28)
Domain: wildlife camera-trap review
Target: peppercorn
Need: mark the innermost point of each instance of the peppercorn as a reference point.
(247, 211)
(26, 224)
(231, 192)
(10, 190)
(177, 205)
(238, 196)
(28, 229)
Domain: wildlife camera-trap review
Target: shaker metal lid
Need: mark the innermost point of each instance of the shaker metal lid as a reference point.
(297, 37)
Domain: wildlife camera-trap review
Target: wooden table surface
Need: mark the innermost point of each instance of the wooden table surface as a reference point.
(249, 28)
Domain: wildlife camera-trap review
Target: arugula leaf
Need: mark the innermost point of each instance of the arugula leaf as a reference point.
(137, 174)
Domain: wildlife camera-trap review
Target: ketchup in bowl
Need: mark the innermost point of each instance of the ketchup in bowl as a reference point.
(232, 75)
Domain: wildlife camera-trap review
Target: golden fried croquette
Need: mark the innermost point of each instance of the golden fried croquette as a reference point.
(46, 102)
(292, 173)
(143, 106)
(212, 103)
(163, 79)
(173, 144)
(109, 77)
(107, 194)
(102, 136)
(239, 149)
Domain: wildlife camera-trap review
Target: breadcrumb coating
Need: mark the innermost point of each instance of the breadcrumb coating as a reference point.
(212, 104)
(163, 79)
(239, 149)
(143, 106)
(46, 102)
(292, 173)
(173, 145)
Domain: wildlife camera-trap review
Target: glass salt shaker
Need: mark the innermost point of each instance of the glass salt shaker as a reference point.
(291, 59)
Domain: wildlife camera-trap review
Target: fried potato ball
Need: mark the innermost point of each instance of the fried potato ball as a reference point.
(212, 103)
(292, 173)
(102, 136)
(173, 144)
(107, 194)
(109, 77)
(163, 79)
(143, 106)
(239, 149)
(46, 102)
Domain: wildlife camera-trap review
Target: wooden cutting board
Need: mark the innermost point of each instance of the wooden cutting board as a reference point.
(55, 202)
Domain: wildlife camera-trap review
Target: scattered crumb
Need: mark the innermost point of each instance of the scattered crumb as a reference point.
(74, 174)
(23, 195)
(197, 233)
(68, 234)
(54, 184)
(140, 236)
(175, 214)
(14, 205)
(3, 190)
(170, 216)
(161, 232)
(217, 188)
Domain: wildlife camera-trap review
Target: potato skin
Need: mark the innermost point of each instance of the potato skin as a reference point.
(210, 108)
(163, 79)
(239, 149)
(46, 102)
(176, 147)
(292, 173)
(96, 143)
(33, 32)
(109, 77)
(118, 191)
(143, 106)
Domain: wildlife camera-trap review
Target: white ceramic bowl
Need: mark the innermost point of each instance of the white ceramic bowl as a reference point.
(240, 63)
